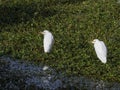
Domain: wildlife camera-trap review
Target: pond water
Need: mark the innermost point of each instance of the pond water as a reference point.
(21, 75)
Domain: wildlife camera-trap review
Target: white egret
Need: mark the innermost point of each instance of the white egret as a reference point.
(100, 50)
(48, 41)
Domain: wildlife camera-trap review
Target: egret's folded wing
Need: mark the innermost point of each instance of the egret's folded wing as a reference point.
(101, 51)
(104, 49)
(48, 42)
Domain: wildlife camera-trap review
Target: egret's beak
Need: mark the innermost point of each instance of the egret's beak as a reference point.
(41, 32)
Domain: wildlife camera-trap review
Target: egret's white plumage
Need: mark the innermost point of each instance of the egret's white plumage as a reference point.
(48, 41)
(100, 50)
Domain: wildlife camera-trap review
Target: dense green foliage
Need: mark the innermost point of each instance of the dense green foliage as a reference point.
(74, 24)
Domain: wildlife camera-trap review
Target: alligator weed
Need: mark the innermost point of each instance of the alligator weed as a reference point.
(74, 24)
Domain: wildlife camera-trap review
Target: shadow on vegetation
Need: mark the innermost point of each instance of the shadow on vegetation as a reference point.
(22, 12)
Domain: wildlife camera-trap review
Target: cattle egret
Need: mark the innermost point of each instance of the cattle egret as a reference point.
(48, 41)
(100, 50)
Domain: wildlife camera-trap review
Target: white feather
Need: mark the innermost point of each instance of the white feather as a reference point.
(45, 68)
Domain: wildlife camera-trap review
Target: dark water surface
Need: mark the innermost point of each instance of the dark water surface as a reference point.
(21, 75)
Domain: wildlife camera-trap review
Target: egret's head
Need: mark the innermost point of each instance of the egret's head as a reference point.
(95, 40)
(45, 32)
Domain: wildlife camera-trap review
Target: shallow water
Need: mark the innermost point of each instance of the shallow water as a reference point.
(17, 74)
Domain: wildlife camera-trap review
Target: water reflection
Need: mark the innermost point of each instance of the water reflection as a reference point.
(16, 75)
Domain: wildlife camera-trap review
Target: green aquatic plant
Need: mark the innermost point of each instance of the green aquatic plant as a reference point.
(74, 24)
